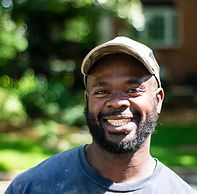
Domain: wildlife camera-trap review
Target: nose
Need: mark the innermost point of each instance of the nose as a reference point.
(118, 101)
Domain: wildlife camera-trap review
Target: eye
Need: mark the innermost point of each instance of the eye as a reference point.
(135, 91)
(101, 93)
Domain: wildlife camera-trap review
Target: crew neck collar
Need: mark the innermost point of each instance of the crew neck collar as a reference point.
(109, 185)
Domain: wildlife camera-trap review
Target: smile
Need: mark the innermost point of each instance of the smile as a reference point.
(118, 122)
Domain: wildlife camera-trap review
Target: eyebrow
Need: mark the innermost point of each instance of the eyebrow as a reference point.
(101, 83)
(132, 80)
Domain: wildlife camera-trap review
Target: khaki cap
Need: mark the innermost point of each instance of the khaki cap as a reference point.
(125, 45)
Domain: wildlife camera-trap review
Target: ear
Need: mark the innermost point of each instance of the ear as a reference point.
(86, 95)
(159, 98)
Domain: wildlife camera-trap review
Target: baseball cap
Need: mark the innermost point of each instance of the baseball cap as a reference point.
(125, 45)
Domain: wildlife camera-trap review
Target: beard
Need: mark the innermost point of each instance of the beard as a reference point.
(125, 146)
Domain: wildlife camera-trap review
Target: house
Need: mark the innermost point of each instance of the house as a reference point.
(171, 31)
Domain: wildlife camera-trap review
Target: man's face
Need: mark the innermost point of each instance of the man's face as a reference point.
(122, 104)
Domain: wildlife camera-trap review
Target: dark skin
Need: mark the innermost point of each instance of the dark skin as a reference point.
(119, 83)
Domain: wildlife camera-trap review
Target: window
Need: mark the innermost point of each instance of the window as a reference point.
(161, 27)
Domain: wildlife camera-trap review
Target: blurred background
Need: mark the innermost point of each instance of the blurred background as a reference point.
(42, 45)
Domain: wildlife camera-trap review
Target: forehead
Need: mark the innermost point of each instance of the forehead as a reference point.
(118, 67)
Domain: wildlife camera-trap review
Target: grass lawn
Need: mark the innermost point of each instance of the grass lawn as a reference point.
(175, 145)
(20, 151)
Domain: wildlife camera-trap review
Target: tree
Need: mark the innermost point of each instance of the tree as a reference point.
(50, 38)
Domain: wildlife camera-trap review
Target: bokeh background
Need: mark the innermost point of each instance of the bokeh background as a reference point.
(42, 45)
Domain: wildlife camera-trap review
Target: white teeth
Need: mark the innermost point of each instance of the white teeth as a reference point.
(119, 122)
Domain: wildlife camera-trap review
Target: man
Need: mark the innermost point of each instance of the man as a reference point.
(124, 98)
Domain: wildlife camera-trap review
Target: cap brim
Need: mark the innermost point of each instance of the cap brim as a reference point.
(102, 50)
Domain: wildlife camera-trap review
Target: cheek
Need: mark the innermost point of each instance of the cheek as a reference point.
(95, 106)
(144, 104)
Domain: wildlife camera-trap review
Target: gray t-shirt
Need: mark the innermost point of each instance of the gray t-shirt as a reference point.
(69, 173)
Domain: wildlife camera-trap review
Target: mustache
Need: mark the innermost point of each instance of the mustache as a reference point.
(114, 112)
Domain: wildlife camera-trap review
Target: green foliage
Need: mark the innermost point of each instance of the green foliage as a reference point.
(76, 29)
(12, 37)
(35, 97)
(11, 109)
(50, 100)
(74, 115)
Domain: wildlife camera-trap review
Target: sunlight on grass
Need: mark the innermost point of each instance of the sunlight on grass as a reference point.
(175, 145)
(171, 157)
(187, 160)
(16, 160)
(19, 152)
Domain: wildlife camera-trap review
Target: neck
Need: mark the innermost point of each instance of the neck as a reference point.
(121, 168)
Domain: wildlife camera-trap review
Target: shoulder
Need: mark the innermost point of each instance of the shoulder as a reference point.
(171, 180)
(55, 168)
(53, 164)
